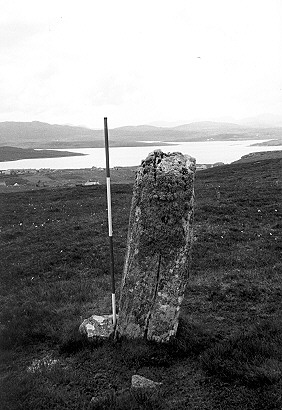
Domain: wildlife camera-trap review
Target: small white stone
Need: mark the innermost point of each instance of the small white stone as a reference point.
(140, 382)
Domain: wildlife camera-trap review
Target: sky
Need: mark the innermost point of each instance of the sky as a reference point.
(137, 62)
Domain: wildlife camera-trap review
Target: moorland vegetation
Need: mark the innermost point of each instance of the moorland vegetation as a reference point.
(55, 272)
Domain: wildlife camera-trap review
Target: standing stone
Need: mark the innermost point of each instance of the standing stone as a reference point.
(158, 247)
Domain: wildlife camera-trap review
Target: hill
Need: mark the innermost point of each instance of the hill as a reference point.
(270, 143)
(37, 134)
(259, 156)
(54, 272)
(43, 135)
(262, 121)
(209, 126)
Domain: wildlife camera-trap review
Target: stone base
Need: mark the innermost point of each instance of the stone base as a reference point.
(97, 326)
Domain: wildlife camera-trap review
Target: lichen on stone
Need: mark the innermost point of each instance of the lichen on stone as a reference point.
(164, 200)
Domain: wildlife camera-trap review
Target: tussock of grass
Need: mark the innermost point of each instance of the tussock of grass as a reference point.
(45, 390)
(141, 353)
(71, 340)
(26, 322)
(134, 399)
(191, 339)
(254, 358)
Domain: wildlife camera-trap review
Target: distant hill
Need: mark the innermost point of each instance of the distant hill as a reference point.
(262, 121)
(43, 135)
(13, 154)
(209, 126)
(270, 143)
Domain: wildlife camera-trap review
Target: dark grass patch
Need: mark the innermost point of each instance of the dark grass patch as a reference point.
(133, 399)
(27, 322)
(191, 340)
(253, 358)
(234, 396)
(36, 391)
(141, 353)
(39, 391)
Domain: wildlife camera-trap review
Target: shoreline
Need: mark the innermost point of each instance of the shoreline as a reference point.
(46, 178)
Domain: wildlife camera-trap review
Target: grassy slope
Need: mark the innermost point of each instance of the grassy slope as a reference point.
(259, 156)
(63, 178)
(54, 273)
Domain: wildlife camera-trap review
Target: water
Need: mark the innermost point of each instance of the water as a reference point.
(207, 152)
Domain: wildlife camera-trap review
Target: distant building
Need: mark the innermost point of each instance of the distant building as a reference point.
(201, 167)
(89, 183)
(26, 171)
(218, 164)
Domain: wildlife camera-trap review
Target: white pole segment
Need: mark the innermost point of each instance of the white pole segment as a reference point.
(114, 309)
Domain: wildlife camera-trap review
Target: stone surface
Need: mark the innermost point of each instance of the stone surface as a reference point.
(97, 326)
(140, 382)
(158, 247)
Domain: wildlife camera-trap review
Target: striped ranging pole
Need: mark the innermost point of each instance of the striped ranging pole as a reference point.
(108, 179)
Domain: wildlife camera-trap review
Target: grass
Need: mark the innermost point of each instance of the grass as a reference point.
(130, 400)
(55, 272)
(253, 358)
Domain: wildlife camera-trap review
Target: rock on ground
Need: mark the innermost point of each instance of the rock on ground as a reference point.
(140, 382)
(97, 326)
